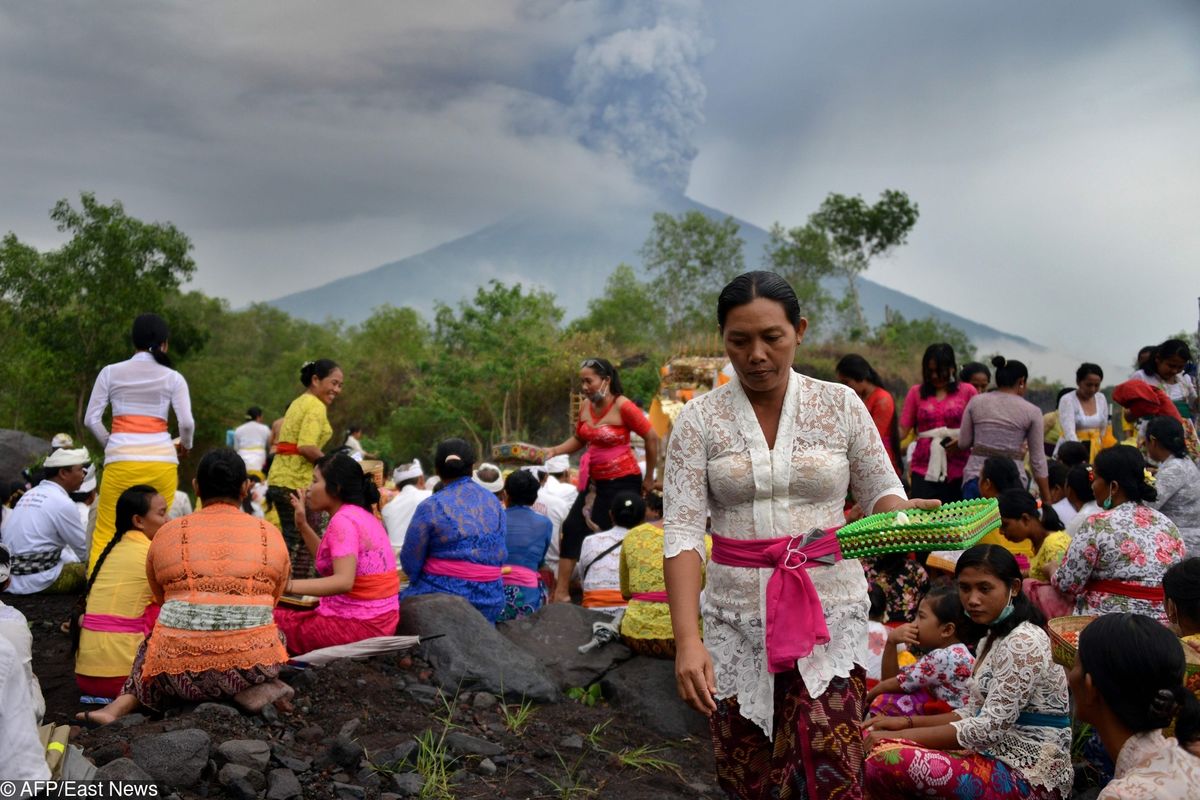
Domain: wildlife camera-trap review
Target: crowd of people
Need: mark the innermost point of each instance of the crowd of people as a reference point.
(909, 674)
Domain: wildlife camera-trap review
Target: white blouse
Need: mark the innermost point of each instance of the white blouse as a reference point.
(718, 464)
(1071, 417)
(1152, 767)
(140, 387)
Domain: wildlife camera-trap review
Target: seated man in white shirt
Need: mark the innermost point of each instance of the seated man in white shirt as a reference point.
(45, 535)
(21, 751)
(15, 628)
(398, 513)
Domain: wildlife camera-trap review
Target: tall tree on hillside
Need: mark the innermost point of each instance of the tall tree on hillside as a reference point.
(689, 259)
(857, 232)
(802, 256)
(78, 302)
(629, 314)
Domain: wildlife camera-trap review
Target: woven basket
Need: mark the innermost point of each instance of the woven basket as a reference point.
(1064, 642)
(373, 468)
(954, 526)
(520, 452)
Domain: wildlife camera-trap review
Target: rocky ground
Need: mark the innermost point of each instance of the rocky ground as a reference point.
(428, 723)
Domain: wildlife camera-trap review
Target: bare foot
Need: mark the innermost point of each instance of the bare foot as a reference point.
(256, 698)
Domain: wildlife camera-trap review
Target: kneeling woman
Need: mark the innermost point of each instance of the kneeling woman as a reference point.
(120, 609)
(217, 573)
(1013, 738)
(358, 587)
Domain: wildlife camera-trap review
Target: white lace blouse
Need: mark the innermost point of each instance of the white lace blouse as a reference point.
(1015, 676)
(718, 463)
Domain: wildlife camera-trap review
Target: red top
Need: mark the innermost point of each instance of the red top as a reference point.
(611, 455)
(882, 408)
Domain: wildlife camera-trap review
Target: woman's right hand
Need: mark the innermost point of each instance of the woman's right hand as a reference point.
(904, 634)
(299, 498)
(694, 677)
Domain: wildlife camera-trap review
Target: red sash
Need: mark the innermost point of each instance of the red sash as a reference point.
(375, 587)
(286, 449)
(137, 423)
(1135, 590)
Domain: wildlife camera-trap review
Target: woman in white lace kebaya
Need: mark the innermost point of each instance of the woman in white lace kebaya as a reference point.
(1013, 738)
(769, 456)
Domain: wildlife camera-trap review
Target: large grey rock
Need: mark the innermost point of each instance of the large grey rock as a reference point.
(645, 689)
(252, 753)
(408, 784)
(467, 745)
(283, 785)
(123, 769)
(553, 636)
(176, 758)
(470, 653)
(232, 773)
(17, 451)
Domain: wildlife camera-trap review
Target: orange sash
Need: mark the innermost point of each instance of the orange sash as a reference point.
(603, 598)
(137, 423)
(375, 587)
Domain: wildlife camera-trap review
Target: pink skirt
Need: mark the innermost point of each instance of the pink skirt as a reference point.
(306, 631)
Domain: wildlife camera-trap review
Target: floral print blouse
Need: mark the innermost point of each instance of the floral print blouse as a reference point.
(903, 584)
(945, 673)
(1131, 543)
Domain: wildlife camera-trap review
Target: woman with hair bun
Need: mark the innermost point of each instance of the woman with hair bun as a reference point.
(358, 584)
(1083, 413)
(1000, 424)
(1117, 558)
(139, 450)
(1178, 480)
(1127, 682)
(305, 431)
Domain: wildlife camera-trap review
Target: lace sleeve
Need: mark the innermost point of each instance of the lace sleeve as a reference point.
(872, 476)
(1016, 665)
(1079, 562)
(1169, 481)
(685, 485)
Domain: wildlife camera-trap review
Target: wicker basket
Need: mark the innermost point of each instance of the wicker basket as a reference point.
(373, 468)
(517, 452)
(954, 526)
(1064, 642)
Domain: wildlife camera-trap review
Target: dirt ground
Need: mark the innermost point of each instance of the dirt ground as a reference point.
(566, 750)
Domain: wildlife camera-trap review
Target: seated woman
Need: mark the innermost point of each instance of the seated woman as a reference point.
(1181, 586)
(1178, 479)
(358, 584)
(455, 542)
(217, 574)
(937, 682)
(1117, 559)
(599, 567)
(997, 476)
(1127, 682)
(1013, 738)
(1079, 493)
(646, 626)
(120, 610)
(1023, 519)
(527, 537)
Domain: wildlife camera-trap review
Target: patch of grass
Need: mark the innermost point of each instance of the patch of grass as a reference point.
(593, 737)
(645, 758)
(517, 716)
(434, 764)
(571, 785)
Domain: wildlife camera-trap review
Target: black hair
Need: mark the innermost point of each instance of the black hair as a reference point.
(254, 412)
(628, 509)
(344, 479)
(521, 486)
(750, 286)
(1063, 392)
(972, 369)
(150, 332)
(1056, 474)
(1088, 368)
(319, 369)
(878, 602)
(1169, 433)
(1181, 585)
(1016, 502)
(942, 356)
(997, 561)
(654, 502)
(454, 459)
(133, 502)
(1073, 453)
(1142, 355)
(947, 606)
(1124, 465)
(1079, 480)
(1009, 373)
(1138, 666)
(604, 368)
(1002, 472)
(221, 475)
(857, 368)
(1171, 348)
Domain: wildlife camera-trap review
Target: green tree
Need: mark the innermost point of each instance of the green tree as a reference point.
(689, 259)
(856, 233)
(801, 255)
(629, 314)
(78, 302)
(907, 339)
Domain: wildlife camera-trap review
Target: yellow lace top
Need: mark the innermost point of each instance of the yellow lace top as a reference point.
(641, 572)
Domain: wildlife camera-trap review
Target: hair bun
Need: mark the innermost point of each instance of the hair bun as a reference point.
(1165, 704)
(999, 361)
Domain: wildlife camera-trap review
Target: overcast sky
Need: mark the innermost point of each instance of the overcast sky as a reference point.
(1052, 147)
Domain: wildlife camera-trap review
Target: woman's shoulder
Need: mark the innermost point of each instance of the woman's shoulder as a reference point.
(1028, 638)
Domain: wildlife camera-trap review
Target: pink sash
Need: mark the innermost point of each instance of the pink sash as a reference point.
(516, 575)
(650, 597)
(457, 568)
(795, 618)
(111, 623)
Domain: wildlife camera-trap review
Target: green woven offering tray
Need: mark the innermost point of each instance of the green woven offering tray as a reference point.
(954, 526)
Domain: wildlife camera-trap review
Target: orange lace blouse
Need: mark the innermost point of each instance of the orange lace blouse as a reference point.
(218, 574)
